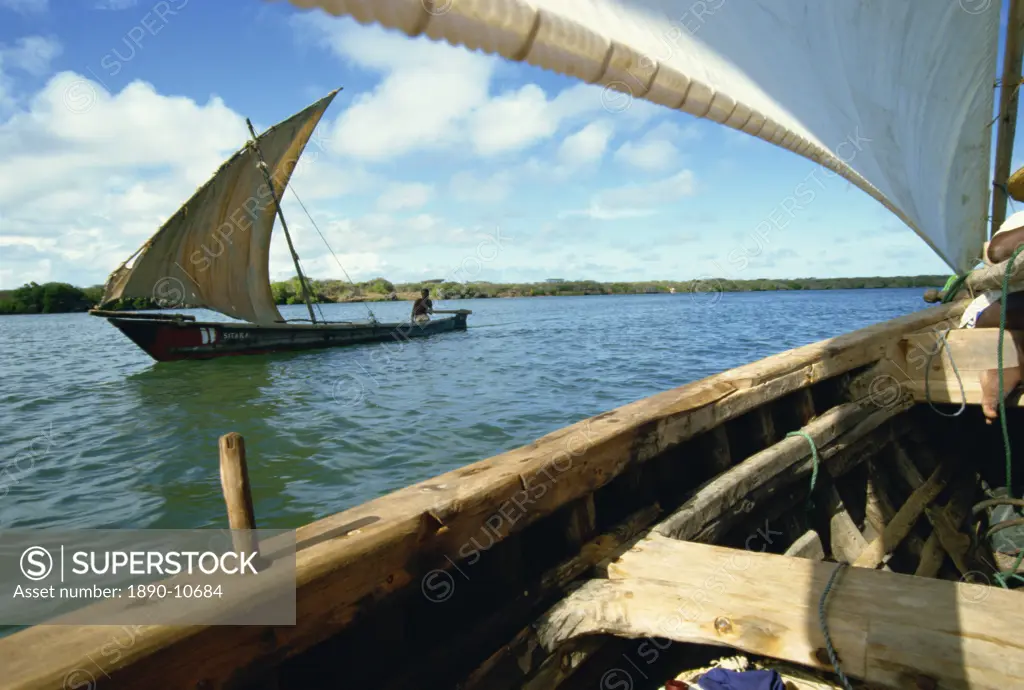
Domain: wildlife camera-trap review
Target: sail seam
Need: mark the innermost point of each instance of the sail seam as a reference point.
(527, 46)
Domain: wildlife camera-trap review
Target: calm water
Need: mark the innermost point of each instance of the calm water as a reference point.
(96, 434)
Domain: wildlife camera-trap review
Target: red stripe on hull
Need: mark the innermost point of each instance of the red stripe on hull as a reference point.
(167, 341)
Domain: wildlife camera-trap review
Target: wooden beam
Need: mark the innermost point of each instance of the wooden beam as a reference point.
(890, 629)
(982, 280)
(406, 534)
(973, 349)
(898, 529)
(924, 355)
(731, 487)
(807, 546)
(1008, 101)
(234, 481)
(846, 540)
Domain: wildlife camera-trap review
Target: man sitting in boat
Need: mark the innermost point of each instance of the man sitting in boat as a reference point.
(984, 312)
(422, 307)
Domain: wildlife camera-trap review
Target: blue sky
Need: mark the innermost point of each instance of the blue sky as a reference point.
(433, 161)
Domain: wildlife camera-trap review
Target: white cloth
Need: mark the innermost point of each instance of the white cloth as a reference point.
(984, 301)
(1014, 222)
(978, 305)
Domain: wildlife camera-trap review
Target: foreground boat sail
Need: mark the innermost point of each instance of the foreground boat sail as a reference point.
(215, 252)
(825, 511)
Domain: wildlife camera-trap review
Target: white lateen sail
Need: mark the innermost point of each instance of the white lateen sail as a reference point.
(894, 95)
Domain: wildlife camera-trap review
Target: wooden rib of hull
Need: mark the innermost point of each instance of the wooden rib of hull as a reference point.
(506, 532)
(166, 340)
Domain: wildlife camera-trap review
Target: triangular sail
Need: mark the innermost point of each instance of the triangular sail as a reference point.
(894, 95)
(215, 251)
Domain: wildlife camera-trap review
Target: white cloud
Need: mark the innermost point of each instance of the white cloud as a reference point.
(656, 151)
(481, 188)
(32, 54)
(586, 146)
(405, 196)
(93, 175)
(25, 6)
(637, 200)
(427, 88)
(518, 119)
(433, 96)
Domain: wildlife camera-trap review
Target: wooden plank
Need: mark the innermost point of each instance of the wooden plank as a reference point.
(804, 406)
(720, 458)
(903, 369)
(887, 628)
(582, 522)
(973, 349)
(401, 533)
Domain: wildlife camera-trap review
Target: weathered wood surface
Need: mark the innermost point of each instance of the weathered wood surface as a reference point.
(845, 538)
(887, 628)
(731, 487)
(234, 481)
(807, 546)
(407, 533)
(519, 652)
(898, 529)
(973, 349)
(1009, 90)
(904, 369)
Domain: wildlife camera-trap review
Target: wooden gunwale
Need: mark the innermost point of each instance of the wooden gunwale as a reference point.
(351, 560)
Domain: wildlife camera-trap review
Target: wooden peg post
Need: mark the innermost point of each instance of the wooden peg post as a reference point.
(234, 480)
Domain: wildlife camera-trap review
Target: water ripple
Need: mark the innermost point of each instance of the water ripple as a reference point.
(95, 434)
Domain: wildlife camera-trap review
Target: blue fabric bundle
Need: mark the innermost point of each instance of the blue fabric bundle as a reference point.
(724, 679)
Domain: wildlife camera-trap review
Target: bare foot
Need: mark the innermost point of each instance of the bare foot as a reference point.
(990, 390)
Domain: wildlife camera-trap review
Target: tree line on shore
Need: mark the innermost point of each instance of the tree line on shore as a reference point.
(52, 298)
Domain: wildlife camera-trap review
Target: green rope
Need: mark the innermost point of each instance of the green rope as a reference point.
(814, 468)
(953, 286)
(1002, 401)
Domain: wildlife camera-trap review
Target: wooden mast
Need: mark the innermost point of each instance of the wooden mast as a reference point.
(1008, 101)
(284, 225)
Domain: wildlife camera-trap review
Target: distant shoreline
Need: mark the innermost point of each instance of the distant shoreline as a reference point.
(63, 298)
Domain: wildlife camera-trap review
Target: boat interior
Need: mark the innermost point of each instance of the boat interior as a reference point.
(702, 522)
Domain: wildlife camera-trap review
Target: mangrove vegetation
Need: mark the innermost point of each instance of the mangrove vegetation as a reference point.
(53, 298)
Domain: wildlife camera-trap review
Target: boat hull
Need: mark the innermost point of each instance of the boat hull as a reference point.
(167, 340)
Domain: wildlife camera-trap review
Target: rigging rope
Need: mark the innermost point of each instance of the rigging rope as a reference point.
(953, 286)
(373, 317)
(956, 282)
(824, 627)
(960, 382)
